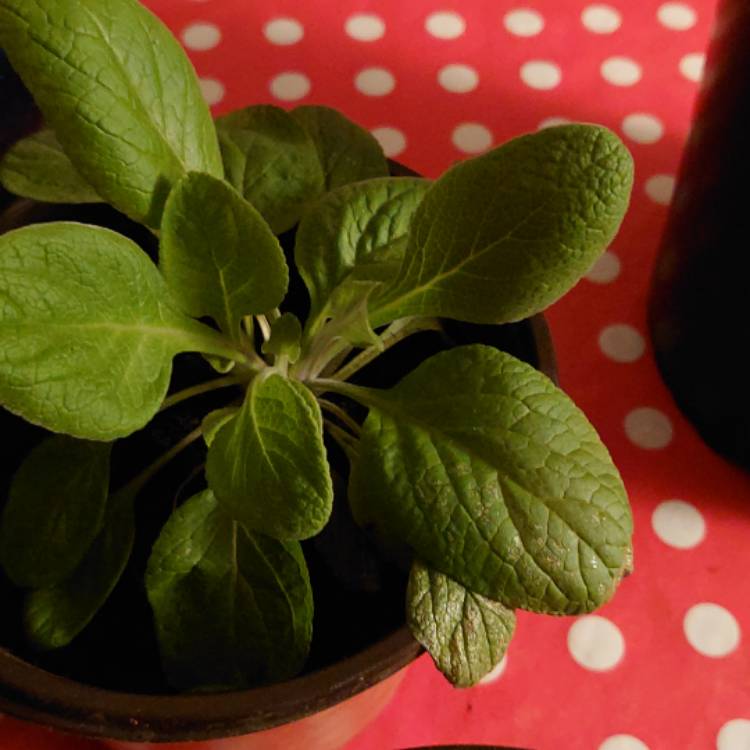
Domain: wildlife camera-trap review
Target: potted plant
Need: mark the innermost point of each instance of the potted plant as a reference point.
(293, 268)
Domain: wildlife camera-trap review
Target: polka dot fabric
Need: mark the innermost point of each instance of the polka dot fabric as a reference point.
(667, 663)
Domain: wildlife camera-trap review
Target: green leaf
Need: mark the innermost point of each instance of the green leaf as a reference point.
(347, 152)
(286, 333)
(270, 158)
(353, 226)
(119, 92)
(465, 633)
(37, 167)
(54, 615)
(231, 608)
(214, 421)
(218, 254)
(268, 465)
(54, 511)
(88, 331)
(348, 305)
(502, 236)
(495, 478)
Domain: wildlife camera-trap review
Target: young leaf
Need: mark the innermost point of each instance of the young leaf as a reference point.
(231, 608)
(286, 333)
(37, 167)
(465, 633)
(88, 331)
(495, 478)
(270, 158)
(347, 152)
(502, 236)
(268, 467)
(218, 255)
(54, 511)
(54, 615)
(351, 226)
(119, 92)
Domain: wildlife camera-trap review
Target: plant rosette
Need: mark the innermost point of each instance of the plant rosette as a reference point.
(473, 470)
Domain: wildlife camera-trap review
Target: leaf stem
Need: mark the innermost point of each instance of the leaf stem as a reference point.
(337, 411)
(197, 390)
(346, 442)
(135, 485)
(265, 326)
(397, 331)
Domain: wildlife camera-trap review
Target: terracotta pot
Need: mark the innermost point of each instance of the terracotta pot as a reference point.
(320, 710)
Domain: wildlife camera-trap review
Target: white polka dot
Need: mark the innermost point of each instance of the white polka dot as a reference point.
(711, 629)
(596, 643)
(734, 735)
(445, 25)
(623, 742)
(375, 81)
(201, 36)
(552, 122)
(622, 343)
(458, 79)
(365, 27)
(676, 16)
(391, 140)
(284, 31)
(541, 74)
(213, 91)
(660, 188)
(648, 428)
(472, 138)
(605, 270)
(601, 19)
(621, 71)
(290, 86)
(495, 674)
(523, 22)
(692, 65)
(642, 128)
(678, 524)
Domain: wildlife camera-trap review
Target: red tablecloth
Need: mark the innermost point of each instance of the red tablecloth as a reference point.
(667, 664)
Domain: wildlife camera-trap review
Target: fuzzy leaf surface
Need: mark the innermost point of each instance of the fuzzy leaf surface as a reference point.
(268, 466)
(270, 158)
(347, 152)
(37, 167)
(496, 479)
(54, 511)
(218, 255)
(88, 330)
(502, 236)
(119, 92)
(55, 615)
(232, 608)
(465, 633)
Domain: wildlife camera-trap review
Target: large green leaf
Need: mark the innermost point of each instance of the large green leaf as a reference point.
(119, 92)
(37, 167)
(465, 633)
(347, 152)
(501, 236)
(272, 161)
(54, 615)
(352, 226)
(268, 464)
(55, 510)
(232, 608)
(218, 254)
(88, 331)
(495, 478)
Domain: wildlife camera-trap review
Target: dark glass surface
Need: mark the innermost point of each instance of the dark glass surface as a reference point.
(698, 309)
